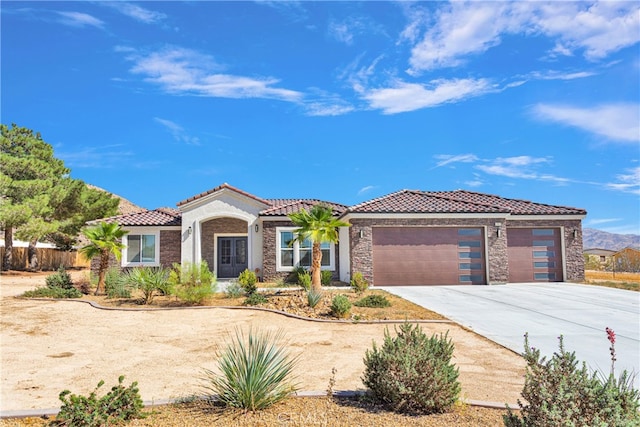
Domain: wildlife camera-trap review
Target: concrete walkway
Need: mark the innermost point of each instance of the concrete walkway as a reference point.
(503, 313)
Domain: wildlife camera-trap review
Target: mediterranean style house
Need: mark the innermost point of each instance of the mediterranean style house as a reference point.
(409, 237)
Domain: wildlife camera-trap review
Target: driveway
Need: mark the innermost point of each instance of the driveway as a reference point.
(503, 313)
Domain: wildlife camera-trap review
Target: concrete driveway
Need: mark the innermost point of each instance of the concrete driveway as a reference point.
(503, 313)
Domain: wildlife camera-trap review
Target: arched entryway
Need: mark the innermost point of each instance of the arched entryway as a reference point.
(224, 245)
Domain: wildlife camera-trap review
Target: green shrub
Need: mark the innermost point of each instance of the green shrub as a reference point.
(313, 298)
(340, 306)
(255, 371)
(560, 393)
(247, 280)
(326, 277)
(192, 282)
(374, 301)
(233, 290)
(255, 299)
(292, 277)
(53, 293)
(117, 284)
(412, 373)
(304, 280)
(358, 283)
(117, 406)
(60, 279)
(149, 280)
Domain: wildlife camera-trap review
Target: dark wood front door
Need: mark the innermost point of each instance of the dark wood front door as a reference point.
(232, 256)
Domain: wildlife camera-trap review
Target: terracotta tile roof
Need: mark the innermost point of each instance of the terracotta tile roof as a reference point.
(161, 217)
(459, 201)
(515, 206)
(221, 187)
(413, 201)
(284, 207)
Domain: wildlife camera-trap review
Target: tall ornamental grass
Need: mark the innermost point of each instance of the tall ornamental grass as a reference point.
(256, 371)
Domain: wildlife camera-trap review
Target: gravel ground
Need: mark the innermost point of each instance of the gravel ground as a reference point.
(302, 411)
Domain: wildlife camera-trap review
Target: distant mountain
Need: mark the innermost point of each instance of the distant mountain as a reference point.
(125, 206)
(592, 238)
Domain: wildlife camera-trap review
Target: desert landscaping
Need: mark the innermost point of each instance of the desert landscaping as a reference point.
(49, 346)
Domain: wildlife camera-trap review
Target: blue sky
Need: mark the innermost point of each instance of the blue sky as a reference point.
(342, 101)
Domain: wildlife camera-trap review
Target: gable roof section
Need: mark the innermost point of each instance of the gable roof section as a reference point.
(515, 206)
(222, 187)
(459, 201)
(284, 207)
(414, 201)
(161, 217)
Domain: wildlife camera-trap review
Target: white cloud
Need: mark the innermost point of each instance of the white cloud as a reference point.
(619, 122)
(462, 29)
(327, 109)
(403, 97)
(136, 12)
(628, 182)
(187, 72)
(603, 221)
(521, 167)
(366, 189)
(347, 30)
(445, 159)
(178, 132)
(557, 75)
(105, 157)
(80, 20)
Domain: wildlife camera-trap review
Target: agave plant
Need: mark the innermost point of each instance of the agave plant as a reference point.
(256, 371)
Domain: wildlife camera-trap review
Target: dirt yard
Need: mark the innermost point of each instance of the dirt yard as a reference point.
(49, 346)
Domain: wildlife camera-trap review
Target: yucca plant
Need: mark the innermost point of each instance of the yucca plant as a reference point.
(313, 298)
(256, 371)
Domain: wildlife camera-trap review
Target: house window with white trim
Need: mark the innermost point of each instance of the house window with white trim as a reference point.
(141, 249)
(292, 253)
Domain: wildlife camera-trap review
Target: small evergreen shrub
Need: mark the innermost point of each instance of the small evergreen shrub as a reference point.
(340, 306)
(248, 280)
(560, 393)
(149, 280)
(313, 298)
(255, 299)
(192, 282)
(117, 406)
(412, 373)
(256, 371)
(60, 279)
(374, 301)
(326, 277)
(46, 292)
(233, 290)
(358, 283)
(59, 285)
(116, 284)
(304, 280)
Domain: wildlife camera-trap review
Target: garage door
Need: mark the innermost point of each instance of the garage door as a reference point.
(428, 256)
(535, 255)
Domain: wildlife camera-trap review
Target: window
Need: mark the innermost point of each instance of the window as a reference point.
(140, 249)
(292, 253)
(543, 232)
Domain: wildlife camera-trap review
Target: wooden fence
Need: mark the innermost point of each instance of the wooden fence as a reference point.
(49, 259)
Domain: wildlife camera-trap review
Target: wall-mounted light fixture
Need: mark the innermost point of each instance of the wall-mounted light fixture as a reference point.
(499, 229)
(257, 228)
(361, 233)
(189, 231)
(575, 233)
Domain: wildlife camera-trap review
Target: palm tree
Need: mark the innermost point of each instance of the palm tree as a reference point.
(319, 226)
(105, 240)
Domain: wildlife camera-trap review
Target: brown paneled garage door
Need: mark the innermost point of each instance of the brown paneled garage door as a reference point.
(428, 256)
(535, 255)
